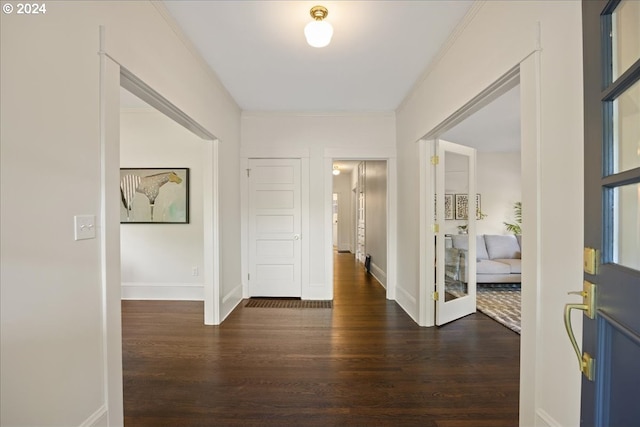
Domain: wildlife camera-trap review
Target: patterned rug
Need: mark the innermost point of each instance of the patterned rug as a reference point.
(286, 303)
(501, 302)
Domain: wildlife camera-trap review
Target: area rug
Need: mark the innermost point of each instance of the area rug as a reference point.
(501, 302)
(287, 303)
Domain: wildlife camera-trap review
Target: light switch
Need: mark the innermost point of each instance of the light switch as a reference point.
(85, 226)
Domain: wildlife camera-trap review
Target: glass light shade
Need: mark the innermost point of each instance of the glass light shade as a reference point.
(336, 171)
(318, 33)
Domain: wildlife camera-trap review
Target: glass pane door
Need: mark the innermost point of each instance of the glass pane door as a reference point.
(455, 236)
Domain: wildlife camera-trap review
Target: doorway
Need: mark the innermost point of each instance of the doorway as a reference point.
(162, 257)
(361, 189)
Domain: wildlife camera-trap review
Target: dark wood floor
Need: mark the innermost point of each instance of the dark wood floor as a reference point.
(362, 363)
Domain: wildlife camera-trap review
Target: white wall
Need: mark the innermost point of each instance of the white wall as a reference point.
(376, 217)
(157, 260)
(342, 186)
(496, 37)
(498, 177)
(53, 345)
(311, 136)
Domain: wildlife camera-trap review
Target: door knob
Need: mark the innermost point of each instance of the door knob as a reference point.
(296, 237)
(585, 361)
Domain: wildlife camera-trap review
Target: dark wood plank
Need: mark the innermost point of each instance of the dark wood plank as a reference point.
(362, 363)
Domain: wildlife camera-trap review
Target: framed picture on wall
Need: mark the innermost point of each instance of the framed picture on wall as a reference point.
(448, 206)
(479, 214)
(462, 206)
(154, 195)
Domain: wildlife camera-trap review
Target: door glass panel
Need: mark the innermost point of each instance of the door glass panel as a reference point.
(626, 129)
(456, 188)
(625, 36)
(626, 209)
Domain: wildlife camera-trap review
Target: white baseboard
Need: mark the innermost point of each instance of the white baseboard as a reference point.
(379, 275)
(407, 302)
(163, 291)
(547, 419)
(230, 301)
(97, 419)
(317, 291)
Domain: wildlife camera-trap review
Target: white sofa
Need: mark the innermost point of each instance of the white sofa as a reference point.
(498, 258)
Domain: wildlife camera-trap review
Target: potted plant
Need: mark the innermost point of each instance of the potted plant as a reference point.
(516, 226)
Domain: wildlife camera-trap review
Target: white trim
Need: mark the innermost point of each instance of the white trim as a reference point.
(284, 113)
(547, 419)
(139, 88)
(392, 228)
(425, 305)
(531, 171)
(234, 297)
(110, 233)
(244, 229)
(273, 153)
(211, 249)
(98, 418)
(379, 274)
(305, 180)
(408, 303)
(162, 291)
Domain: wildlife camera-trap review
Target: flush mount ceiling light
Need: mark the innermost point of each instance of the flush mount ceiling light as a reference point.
(336, 170)
(318, 32)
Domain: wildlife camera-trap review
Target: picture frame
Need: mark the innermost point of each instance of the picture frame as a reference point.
(479, 214)
(448, 207)
(461, 206)
(154, 195)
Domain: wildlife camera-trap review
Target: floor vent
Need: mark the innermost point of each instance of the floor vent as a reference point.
(287, 303)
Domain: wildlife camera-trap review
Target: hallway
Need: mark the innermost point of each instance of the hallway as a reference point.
(362, 363)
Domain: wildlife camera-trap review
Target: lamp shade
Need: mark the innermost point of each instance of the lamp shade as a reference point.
(318, 33)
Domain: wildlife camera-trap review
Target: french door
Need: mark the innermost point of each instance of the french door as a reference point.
(454, 195)
(610, 357)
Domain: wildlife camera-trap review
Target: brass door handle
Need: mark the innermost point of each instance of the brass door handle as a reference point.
(585, 361)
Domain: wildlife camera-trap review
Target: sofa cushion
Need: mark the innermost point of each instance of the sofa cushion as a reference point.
(514, 264)
(502, 246)
(487, 266)
(461, 241)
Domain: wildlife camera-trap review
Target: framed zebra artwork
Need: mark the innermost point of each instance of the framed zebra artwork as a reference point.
(154, 195)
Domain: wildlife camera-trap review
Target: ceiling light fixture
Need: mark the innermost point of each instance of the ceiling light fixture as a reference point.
(318, 32)
(336, 170)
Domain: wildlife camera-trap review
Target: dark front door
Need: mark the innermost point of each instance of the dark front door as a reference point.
(611, 340)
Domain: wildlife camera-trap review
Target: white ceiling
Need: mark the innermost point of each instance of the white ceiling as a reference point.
(379, 50)
(495, 127)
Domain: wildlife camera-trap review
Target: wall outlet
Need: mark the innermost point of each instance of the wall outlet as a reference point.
(194, 271)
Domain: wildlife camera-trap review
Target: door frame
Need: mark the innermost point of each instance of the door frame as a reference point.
(113, 76)
(304, 238)
(526, 73)
(276, 153)
(364, 154)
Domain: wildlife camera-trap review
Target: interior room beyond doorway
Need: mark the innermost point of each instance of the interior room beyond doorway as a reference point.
(360, 213)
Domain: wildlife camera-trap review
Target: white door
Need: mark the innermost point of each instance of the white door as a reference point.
(455, 206)
(274, 228)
